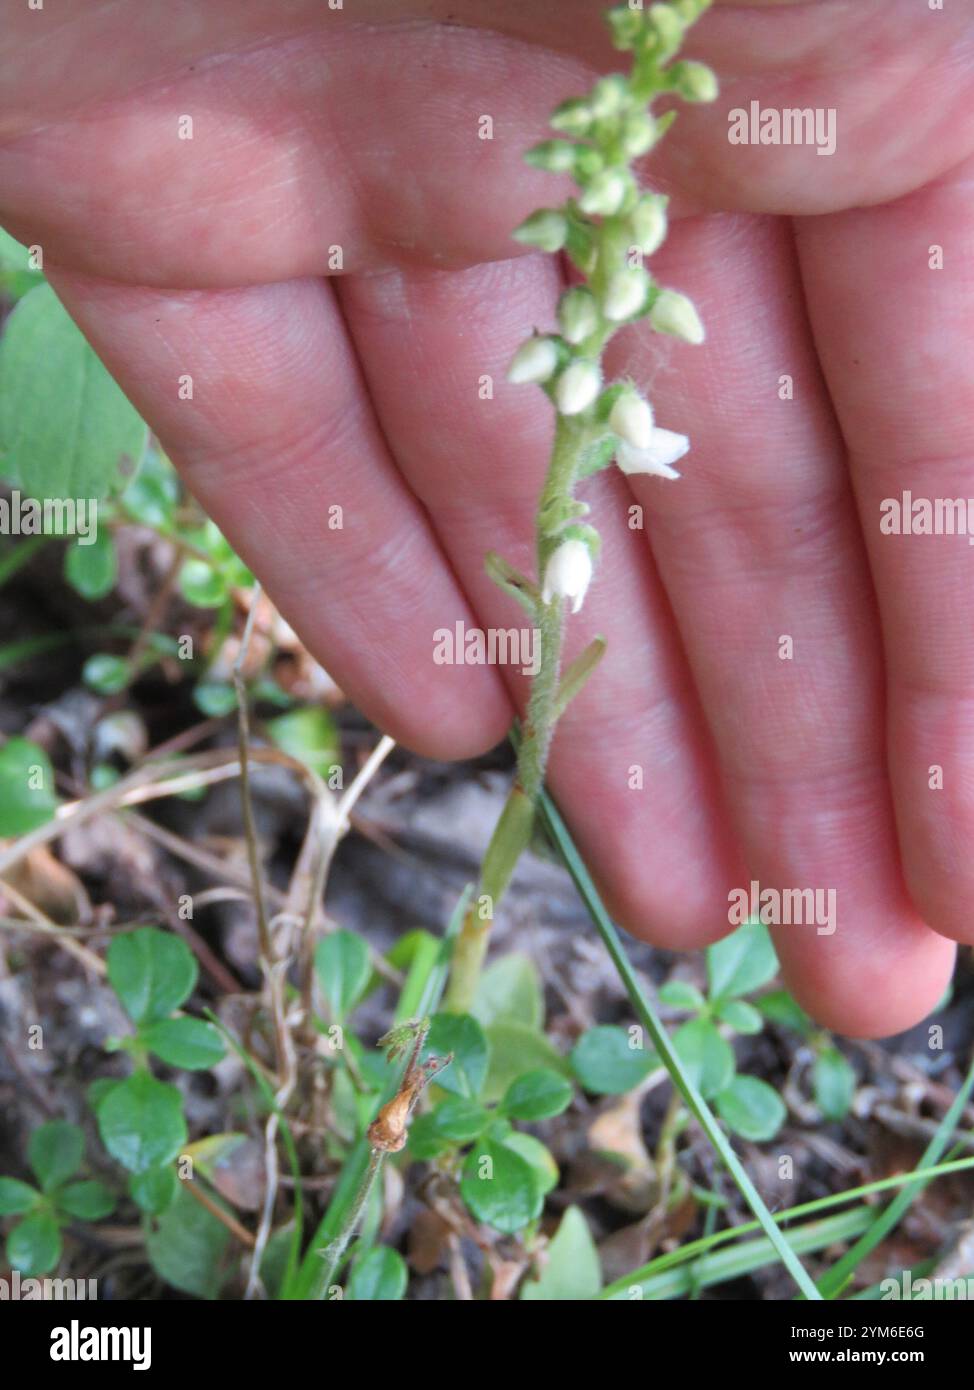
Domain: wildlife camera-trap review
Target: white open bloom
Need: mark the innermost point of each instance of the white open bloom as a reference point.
(568, 573)
(535, 360)
(631, 418)
(625, 294)
(577, 387)
(673, 313)
(657, 458)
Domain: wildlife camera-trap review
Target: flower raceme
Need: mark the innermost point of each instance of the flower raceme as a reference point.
(606, 229)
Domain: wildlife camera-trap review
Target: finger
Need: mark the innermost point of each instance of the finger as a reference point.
(279, 445)
(759, 548)
(630, 765)
(894, 335)
(301, 138)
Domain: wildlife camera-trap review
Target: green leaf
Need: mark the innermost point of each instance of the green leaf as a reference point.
(55, 1152)
(751, 1108)
(459, 1119)
(91, 569)
(344, 971)
(27, 797)
(378, 1276)
(141, 1122)
(741, 1016)
(514, 1049)
(34, 1245)
(186, 1248)
(308, 735)
(779, 1007)
(89, 1200)
(154, 1190)
(184, 1042)
(215, 698)
(425, 1140)
(66, 430)
(99, 1089)
(537, 1156)
(834, 1083)
(741, 962)
(572, 1270)
(153, 493)
(462, 1035)
(202, 584)
(537, 1095)
(680, 994)
(500, 1187)
(17, 276)
(606, 1064)
(106, 674)
(152, 972)
(16, 1196)
(510, 988)
(707, 1057)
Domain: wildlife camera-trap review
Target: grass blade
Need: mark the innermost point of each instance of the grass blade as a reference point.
(667, 1053)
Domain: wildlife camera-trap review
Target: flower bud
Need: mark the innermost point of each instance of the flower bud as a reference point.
(648, 223)
(609, 96)
(546, 229)
(673, 313)
(535, 361)
(572, 117)
(694, 81)
(631, 418)
(606, 193)
(568, 573)
(557, 156)
(626, 25)
(663, 450)
(668, 27)
(625, 294)
(578, 315)
(638, 134)
(577, 387)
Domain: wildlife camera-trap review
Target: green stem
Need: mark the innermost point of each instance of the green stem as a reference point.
(512, 833)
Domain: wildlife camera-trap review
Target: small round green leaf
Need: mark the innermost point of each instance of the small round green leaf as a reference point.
(779, 1007)
(510, 988)
(459, 1119)
(500, 1187)
(106, 674)
(91, 567)
(27, 797)
(141, 1122)
(190, 1043)
(742, 961)
(538, 1157)
(514, 1049)
(344, 971)
(379, 1276)
(54, 1152)
(152, 972)
(572, 1270)
(537, 1095)
(202, 584)
(89, 1200)
(606, 1062)
(680, 994)
(462, 1035)
(708, 1058)
(307, 734)
(739, 1015)
(34, 1244)
(834, 1083)
(215, 698)
(16, 1197)
(751, 1108)
(154, 1190)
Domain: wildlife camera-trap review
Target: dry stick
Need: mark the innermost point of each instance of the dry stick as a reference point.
(214, 1208)
(40, 922)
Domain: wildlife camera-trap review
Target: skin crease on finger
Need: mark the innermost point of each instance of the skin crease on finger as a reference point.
(307, 140)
